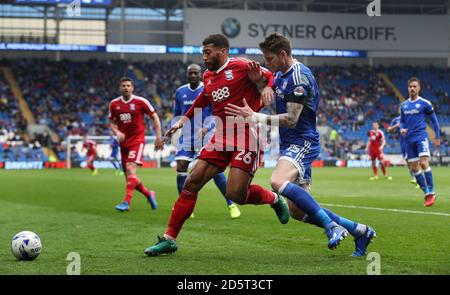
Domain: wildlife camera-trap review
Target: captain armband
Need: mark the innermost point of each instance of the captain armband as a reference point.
(299, 95)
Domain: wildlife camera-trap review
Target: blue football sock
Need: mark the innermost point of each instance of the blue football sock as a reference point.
(221, 182)
(411, 172)
(429, 179)
(305, 202)
(421, 181)
(181, 178)
(115, 165)
(355, 229)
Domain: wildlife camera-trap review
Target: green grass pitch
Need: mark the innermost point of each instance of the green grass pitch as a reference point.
(73, 211)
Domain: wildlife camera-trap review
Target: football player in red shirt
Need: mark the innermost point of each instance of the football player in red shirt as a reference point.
(374, 148)
(91, 147)
(126, 114)
(226, 81)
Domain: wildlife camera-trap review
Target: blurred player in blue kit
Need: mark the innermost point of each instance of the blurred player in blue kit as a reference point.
(114, 157)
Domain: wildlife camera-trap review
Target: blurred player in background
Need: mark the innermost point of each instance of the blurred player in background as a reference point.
(114, 157)
(126, 114)
(186, 149)
(297, 98)
(91, 147)
(374, 149)
(226, 80)
(395, 123)
(413, 125)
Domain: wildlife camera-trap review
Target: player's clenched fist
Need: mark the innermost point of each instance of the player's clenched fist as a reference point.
(159, 144)
(174, 128)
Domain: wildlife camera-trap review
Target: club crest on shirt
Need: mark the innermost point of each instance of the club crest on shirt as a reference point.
(229, 75)
(132, 107)
(417, 105)
(299, 91)
(284, 85)
(117, 108)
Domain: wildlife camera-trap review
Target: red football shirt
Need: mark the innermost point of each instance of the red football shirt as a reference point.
(90, 145)
(230, 85)
(129, 116)
(376, 139)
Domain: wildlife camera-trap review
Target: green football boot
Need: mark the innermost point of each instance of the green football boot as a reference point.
(163, 246)
(281, 209)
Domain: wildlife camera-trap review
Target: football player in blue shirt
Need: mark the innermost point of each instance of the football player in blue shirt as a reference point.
(297, 98)
(189, 143)
(395, 123)
(114, 157)
(413, 125)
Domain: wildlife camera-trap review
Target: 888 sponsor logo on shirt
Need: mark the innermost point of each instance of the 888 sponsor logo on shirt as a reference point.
(221, 93)
(125, 117)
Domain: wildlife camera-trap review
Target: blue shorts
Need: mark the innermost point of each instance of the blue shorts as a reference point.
(419, 147)
(183, 155)
(114, 154)
(301, 154)
(190, 151)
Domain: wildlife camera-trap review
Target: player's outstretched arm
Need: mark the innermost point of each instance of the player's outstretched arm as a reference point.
(393, 127)
(159, 143)
(288, 119)
(201, 101)
(179, 124)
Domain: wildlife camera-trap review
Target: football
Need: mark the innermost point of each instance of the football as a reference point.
(26, 245)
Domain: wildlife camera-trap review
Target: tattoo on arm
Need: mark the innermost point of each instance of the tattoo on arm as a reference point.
(290, 118)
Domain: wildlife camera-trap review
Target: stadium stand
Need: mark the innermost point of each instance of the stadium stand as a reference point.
(71, 97)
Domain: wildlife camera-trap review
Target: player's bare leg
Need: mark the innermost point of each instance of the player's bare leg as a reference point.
(241, 191)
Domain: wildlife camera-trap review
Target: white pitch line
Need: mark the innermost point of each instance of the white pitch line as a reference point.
(387, 209)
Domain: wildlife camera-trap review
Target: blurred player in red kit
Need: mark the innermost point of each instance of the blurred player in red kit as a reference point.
(374, 148)
(126, 114)
(91, 147)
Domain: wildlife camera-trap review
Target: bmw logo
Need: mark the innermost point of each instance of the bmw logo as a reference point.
(231, 27)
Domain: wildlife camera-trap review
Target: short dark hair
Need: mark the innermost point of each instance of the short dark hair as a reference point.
(275, 43)
(414, 79)
(218, 40)
(126, 79)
